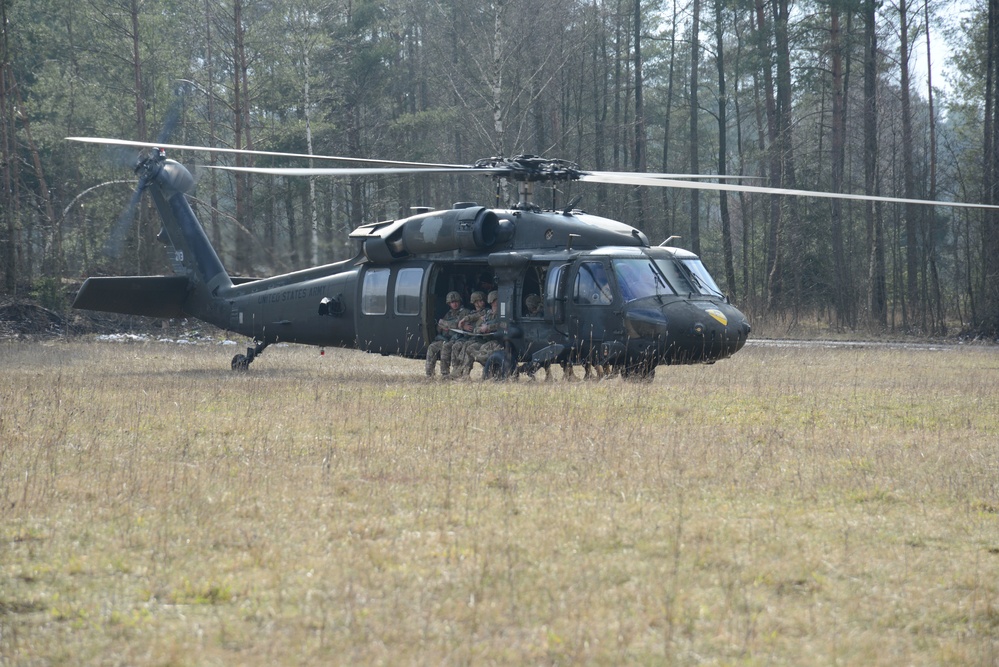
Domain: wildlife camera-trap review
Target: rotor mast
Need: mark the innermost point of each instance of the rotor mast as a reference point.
(525, 190)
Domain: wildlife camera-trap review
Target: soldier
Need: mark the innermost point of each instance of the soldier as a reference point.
(451, 351)
(534, 306)
(445, 332)
(479, 349)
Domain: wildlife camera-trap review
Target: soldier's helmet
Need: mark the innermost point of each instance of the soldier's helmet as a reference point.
(453, 296)
(492, 297)
(477, 296)
(533, 302)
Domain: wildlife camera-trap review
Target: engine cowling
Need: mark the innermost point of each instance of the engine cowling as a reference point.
(469, 228)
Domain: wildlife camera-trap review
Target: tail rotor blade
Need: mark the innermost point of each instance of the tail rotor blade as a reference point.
(173, 113)
(126, 220)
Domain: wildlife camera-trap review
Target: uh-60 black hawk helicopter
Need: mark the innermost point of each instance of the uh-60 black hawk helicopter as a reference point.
(610, 297)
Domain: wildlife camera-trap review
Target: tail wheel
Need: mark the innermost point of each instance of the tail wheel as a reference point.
(240, 363)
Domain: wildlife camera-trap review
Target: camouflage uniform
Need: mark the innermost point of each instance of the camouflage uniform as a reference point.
(444, 334)
(478, 349)
(452, 350)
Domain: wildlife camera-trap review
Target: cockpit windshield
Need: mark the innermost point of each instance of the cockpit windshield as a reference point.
(637, 278)
(689, 276)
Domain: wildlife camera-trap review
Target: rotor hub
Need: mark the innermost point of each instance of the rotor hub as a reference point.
(533, 168)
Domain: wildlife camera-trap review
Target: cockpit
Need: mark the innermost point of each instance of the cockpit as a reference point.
(642, 273)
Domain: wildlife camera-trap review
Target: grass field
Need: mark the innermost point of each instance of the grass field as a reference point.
(787, 506)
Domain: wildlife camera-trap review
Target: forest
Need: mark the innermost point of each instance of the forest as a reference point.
(814, 94)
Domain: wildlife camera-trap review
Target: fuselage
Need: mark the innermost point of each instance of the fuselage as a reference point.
(624, 304)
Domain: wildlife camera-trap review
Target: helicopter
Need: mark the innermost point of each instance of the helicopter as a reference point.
(611, 298)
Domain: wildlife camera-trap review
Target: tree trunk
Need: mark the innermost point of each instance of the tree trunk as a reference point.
(988, 322)
(775, 279)
(790, 256)
(842, 297)
(313, 212)
(877, 288)
(669, 225)
(745, 208)
(147, 226)
(912, 308)
(639, 157)
(212, 131)
(140, 104)
(289, 214)
(726, 222)
(496, 84)
(599, 94)
(8, 198)
(243, 72)
(52, 258)
(695, 223)
(929, 245)
(243, 262)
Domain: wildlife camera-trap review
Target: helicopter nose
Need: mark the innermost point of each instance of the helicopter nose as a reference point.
(723, 330)
(689, 332)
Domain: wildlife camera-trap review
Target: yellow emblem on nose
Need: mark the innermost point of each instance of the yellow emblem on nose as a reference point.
(718, 315)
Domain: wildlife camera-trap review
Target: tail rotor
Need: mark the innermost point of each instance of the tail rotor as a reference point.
(126, 221)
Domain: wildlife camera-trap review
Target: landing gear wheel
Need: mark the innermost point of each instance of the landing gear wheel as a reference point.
(241, 362)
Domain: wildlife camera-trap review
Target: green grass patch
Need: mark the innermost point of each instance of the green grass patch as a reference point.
(798, 506)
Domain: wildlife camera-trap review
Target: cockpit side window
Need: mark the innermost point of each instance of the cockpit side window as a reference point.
(702, 278)
(688, 276)
(676, 277)
(592, 286)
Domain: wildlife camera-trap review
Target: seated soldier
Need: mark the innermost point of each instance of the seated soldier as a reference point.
(479, 349)
(535, 306)
(452, 349)
(445, 331)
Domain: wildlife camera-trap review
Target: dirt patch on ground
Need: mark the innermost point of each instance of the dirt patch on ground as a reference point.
(26, 319)
(22, 318)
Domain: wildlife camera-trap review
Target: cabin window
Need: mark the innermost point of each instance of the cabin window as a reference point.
(407, 291)
(374, 294)
(592, 287)
(533, 291)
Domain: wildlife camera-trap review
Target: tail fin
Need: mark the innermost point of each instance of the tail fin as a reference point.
(168, 182)
(151, 296)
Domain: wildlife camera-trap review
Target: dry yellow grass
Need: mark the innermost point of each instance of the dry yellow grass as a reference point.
(788, 506)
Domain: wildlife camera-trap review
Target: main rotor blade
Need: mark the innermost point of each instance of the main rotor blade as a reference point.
(620, 178)
(181, 147)
(724, 177)
(362, 171)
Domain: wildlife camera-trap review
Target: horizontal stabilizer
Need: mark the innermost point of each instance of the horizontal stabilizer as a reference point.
(152, 296)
